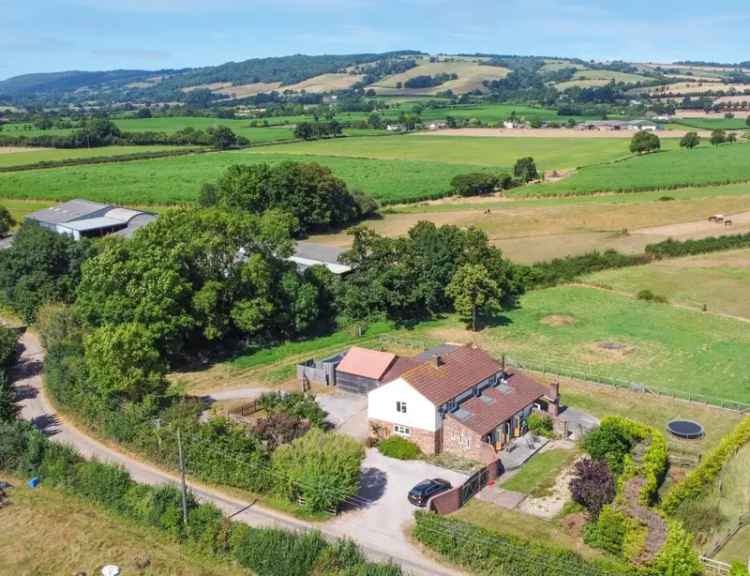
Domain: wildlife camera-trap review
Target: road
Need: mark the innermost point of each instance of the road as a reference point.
(379, 545)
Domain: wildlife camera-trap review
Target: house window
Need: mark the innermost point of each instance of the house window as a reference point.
(401, 407)
(402, 430)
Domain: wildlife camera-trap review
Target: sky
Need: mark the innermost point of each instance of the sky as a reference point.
(56, 35)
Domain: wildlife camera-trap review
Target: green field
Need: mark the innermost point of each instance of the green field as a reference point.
(704, 166)
(605, 335)
(33, 156)
(549, 153)
(711, 123)
(178, 180)
(721, 281)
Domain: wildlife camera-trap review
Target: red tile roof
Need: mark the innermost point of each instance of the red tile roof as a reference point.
(496, 405)
(366, 363)
(460, 370)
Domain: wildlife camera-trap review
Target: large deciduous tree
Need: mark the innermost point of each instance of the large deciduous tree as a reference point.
(6, 221)
(474, 291)
(644, 142)
(525, 170)
(690, 140)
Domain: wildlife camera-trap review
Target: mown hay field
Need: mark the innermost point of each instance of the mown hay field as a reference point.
(666, 170)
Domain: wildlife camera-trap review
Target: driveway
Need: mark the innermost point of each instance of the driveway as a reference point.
(385, 485)
(347, 412)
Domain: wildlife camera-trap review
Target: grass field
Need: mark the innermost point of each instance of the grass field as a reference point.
(603, 335)
(178, 180)
(33, 156)
(712, 123)
(721, 281)
(48, 533)
(549, 153)
(589, 78)
(537, 476)
(703, 166)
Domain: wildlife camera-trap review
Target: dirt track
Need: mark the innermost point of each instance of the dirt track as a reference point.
(550, 133)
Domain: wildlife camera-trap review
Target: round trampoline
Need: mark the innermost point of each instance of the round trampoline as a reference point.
(687, 429)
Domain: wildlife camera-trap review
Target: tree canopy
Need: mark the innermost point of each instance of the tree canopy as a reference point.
(473, 290)
(317, 199)
(197, 275)
(690, 140)
(644, 142)
(525, 170)
(6, 221)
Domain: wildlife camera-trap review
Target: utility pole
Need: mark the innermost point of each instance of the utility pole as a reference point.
(182, 475)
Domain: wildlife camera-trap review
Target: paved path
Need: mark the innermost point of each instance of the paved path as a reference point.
(381, 546)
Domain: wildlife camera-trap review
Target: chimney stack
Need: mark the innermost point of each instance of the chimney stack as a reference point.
(437, 360)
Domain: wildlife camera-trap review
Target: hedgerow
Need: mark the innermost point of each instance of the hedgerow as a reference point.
(699, 480)
(674, 248)
(484, 551)
(25, 451)
(559, 270)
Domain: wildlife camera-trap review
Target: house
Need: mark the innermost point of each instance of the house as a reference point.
(307, 254)
(85, 219)
(455, 399)
(437, 125)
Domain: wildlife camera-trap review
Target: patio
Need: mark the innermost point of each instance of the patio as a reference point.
(520, 450)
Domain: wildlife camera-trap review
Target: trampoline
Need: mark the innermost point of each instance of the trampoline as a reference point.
(687, 429)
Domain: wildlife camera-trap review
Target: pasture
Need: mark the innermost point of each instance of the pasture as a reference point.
(711, 123)
(721, 281)
(470, 74)
(586, 78)
(666, 170)
(606, 335)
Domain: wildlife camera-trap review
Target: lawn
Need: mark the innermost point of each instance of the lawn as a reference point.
(502, 153)
(178, 180)
(720, 280)
(519, 525)
(46, 532)
(538, 475)
(34, 155)
(707, 165)
(595, 334)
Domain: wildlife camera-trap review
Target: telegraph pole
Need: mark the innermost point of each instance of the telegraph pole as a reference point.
(182, 475)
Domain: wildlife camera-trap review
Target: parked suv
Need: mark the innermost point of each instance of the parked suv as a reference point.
(426, 489)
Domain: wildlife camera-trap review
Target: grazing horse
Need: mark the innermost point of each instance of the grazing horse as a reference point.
(727, 222)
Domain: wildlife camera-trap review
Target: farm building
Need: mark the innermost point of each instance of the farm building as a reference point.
(84, 219)
(307, 254)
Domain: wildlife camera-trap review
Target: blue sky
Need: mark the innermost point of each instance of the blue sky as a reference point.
(52, 35)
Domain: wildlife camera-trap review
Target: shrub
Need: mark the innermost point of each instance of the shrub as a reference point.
(610, 443)
(649, 296)
(541, 424)
(702, 477)
(274, 552)
(400, 448)
(474, 184)
(608, 532)
(321, 468)
(677, 557)
(592, 485)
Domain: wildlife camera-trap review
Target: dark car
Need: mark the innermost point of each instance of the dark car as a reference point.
(426, 489)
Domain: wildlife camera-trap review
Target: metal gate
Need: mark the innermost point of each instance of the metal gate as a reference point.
(474, 484)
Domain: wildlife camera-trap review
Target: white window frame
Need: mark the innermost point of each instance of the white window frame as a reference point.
(401, 407)
(401, 430)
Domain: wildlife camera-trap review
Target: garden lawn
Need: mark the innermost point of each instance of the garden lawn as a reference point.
(720, 280)
(502, 153)
(667, 170)
(48, 532)
(538, 475)
(596, 334)
(178, 180)
(36, 155)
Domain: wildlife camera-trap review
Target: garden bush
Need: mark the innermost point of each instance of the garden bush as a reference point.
(400, 448)
(541, 424)
(649, 296)
(700, 479)
(678, 557)
(592, 485)
(608, 532)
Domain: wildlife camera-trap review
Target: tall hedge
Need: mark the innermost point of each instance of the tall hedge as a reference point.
(700, 479)
(483, 551)
(673, 248)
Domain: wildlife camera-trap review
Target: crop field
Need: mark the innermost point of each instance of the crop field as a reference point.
(549, 153)
(587, 78)
(720, 280)
(606, 335)
(470, 77)
(178, 180)
(704, 166)
(712, 123)
(47, 532)
(35, 155)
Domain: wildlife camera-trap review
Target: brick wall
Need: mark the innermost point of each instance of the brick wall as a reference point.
(459, 440)
(428, 442)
